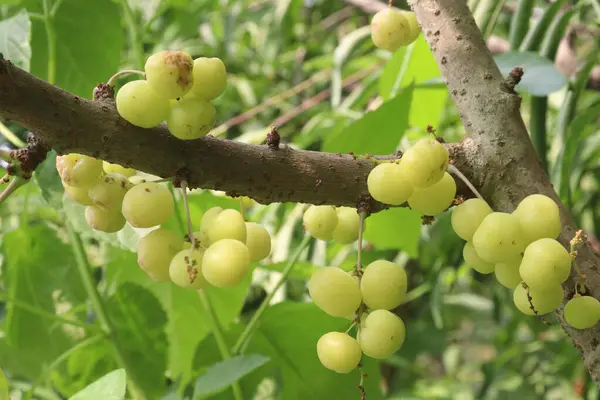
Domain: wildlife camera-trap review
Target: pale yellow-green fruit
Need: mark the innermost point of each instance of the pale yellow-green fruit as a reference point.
(191, 118)
(499, 238)
(139, 105)
(320, 221)
(434, 199)
(390, 29)
(109, 192)
(136, 180)
(507, 273)
(226, 263)
(467, 217)
(210, 78)
(383, 285)
(79, 170)
(187, 243)
(334, 291)
(473, 260)
(582, 312)
(338, 352)
(258, 241)
(425, 163)
(117, 169)
(170, 73)
(206, 222)
(228, 224)
(346, 230)
(148, 204)
(544, 301)
(413, 24)
(545, 263)
(78, 194)
(185, 269)
(155, 252)
(104, 221)
(388, 183)
(381, 334)
(539, 217)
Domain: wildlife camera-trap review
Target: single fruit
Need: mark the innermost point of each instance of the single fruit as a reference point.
(582, 312)
(539, 217)
(473, 260)
(334, 291)
(226, 263)
(425, 163)
(413, 25)
(136, 180)
(390, 184)
(346, 230)
(544, 301)
(507, 273)
(148, 204)
(170, 73)
(499, 238)
(205, 224)
(545, 263)
(210, 78)
(434, 199)
(79, 170)
(185, 269)
(381, 334)
(78, 194)
(338, 352)
(320, 221)
(390, 29)
(383, 285)
(117, 169)
(139, 105)
(467, 217)
(108, 193)
(258, 241)
(155, 252)
(104, 221)
(228, 224)
(191, 118)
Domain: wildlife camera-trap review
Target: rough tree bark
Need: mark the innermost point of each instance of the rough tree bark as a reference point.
(497, 155)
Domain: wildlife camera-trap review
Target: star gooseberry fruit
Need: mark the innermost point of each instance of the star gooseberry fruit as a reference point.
(170, 73)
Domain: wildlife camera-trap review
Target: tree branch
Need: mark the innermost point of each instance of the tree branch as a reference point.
(498, 150)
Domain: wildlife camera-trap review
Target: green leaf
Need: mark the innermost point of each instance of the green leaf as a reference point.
(541, 77)
(377, 132)
(15, 33)
(112, 386)
(187, 321)
(396, 228)
(139, 331)
(3, 386)
(89, 41)
(223, 374)
(47, 178)
(301, 270)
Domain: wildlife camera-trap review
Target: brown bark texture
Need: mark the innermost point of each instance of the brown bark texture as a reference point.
(497, 151)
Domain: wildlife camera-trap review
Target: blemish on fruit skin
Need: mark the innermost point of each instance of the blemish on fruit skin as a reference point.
(183, 65)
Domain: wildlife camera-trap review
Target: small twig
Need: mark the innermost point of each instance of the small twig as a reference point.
(16, 183)
(6, 155)
(453, 170)
(183, 185)
(580, 237)
(361, 225)
(113, 78)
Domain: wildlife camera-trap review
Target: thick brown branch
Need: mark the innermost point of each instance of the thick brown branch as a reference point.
(498, 150)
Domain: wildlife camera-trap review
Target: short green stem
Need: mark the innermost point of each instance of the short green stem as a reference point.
(51, 39)
(219, 337)
(113, 78)
(10, 136)
(253, 324)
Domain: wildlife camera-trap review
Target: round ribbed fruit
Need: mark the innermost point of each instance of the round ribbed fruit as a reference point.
(334, 291)
(338, 352)
(148, 204)
(320, 221)
(155, 252)
(383, 285)
(467, 217)
(389, 184)
(434, 199)
(381, 334)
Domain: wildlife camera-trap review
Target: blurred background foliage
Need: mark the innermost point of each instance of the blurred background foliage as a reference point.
(309, 68)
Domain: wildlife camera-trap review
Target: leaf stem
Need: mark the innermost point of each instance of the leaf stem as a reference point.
(188, 216)
(12, 187)
(453, 170)
(219, 337)
(253, 324)
(10, 136)
(361, 227)
(84, 270)
(51, 38)
(113, 78)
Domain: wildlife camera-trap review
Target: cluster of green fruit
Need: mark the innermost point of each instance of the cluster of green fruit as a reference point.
(392, 28)
(521, 249)
(178, 90)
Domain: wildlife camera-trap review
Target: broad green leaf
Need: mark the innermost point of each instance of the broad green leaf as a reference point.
(112, 386)
(301, 270)
(89, 42)
(223, 374)
(3, 386)
(47, 178)
(540, 78)
(377, 132)
(139, 324)
(395, 228)
(15, 34)
(187, 321)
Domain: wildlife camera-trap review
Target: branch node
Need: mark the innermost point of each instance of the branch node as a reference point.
(514, 77)
(104, 92)
(273, 138)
